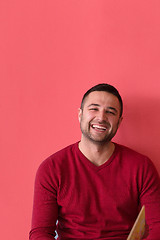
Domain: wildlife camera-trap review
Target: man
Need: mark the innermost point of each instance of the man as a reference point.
(95, 187)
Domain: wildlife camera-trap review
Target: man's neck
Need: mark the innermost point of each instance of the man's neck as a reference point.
(98, 154)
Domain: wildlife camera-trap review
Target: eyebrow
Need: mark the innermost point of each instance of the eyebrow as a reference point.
(93, 104)
(112, 108)
(97, 105)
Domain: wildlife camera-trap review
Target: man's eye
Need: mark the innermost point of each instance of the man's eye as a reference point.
(93, 109)
(113, 113)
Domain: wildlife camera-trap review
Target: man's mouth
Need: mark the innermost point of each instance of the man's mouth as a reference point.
(99, 127)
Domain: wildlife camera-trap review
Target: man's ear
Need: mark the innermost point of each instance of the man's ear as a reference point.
(79, 114)
(120, 120)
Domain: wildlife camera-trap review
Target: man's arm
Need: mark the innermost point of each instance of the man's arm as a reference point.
(150, 197)
(45, 208)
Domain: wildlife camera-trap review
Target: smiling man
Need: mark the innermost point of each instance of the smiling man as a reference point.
(95, 187)
(100, 116)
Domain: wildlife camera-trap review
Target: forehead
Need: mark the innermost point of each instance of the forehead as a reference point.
(103, 99)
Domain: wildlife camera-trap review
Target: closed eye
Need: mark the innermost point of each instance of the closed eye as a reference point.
(93, 109)
(113, 113)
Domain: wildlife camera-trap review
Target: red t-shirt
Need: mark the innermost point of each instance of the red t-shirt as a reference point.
(94, 202)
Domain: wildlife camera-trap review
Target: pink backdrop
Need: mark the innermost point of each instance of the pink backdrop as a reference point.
(51, 52)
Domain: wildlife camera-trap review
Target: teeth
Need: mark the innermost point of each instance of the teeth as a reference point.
(99, 127)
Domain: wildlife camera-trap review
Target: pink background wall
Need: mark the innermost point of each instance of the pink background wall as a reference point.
(51, 52)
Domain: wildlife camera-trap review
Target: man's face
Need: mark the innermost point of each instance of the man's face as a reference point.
(100, 117)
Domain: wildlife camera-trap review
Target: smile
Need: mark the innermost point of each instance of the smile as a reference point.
(98, 127)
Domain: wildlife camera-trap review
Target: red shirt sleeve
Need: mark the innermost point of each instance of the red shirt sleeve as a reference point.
(45, 208)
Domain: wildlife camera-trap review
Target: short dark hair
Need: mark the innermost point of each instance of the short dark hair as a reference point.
(105, 88)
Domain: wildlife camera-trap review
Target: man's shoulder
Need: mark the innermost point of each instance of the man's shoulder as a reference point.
(60, 155)
(130, 153)
(133, 160)
(64, 151)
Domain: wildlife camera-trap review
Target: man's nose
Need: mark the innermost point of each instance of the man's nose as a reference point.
(102, 116)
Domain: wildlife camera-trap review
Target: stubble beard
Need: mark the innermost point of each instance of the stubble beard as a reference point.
(97, 140)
